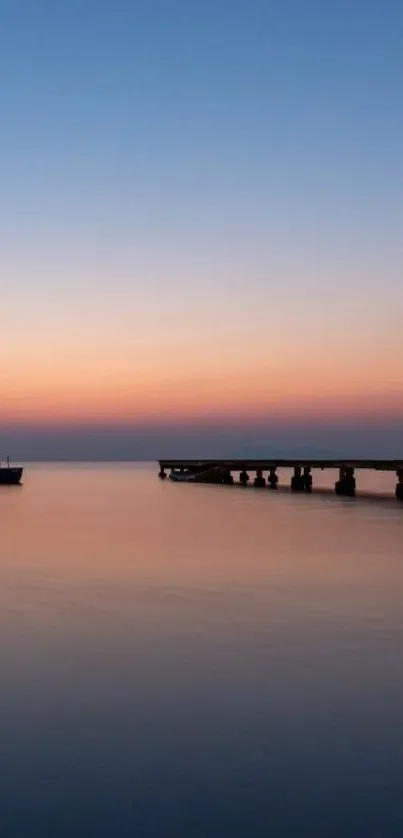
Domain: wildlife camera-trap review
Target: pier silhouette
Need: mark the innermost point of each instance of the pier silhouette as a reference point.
(222, 472)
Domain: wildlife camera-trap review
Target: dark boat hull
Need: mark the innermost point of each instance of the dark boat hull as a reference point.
(210, 475)
(10, 476)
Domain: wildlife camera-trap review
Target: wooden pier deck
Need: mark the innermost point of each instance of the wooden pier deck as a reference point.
(221, 471)
(266, 465)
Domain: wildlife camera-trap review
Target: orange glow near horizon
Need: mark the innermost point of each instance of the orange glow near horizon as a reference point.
(204, 387)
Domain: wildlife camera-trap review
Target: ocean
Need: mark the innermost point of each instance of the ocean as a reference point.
(198, 661)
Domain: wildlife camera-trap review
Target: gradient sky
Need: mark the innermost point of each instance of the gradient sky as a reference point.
(201, 217)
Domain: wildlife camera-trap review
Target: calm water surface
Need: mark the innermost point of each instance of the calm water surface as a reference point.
(198, 661)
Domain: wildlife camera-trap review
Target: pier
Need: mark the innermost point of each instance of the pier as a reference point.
(264, 472)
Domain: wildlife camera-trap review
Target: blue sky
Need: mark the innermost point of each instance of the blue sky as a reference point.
(178, 176)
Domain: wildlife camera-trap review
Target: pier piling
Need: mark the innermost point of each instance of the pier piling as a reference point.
(272, 479)
(346, 483)
(297, 480)
(399, 486)
(259, 481)
(307, 477)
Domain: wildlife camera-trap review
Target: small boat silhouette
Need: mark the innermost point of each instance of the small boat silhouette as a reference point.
(10, 475)
(213, 474)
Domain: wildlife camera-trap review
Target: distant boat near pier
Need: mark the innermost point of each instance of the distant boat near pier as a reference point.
(196, 475)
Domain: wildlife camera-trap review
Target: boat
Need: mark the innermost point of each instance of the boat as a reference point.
(10, 475)
(182, 476)
(213, 474)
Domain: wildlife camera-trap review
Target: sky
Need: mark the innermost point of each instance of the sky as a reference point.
(201, 227)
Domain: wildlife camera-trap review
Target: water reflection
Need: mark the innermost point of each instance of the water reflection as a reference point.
(197, 661)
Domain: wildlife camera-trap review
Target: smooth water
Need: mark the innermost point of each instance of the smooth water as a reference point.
(198, 661)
